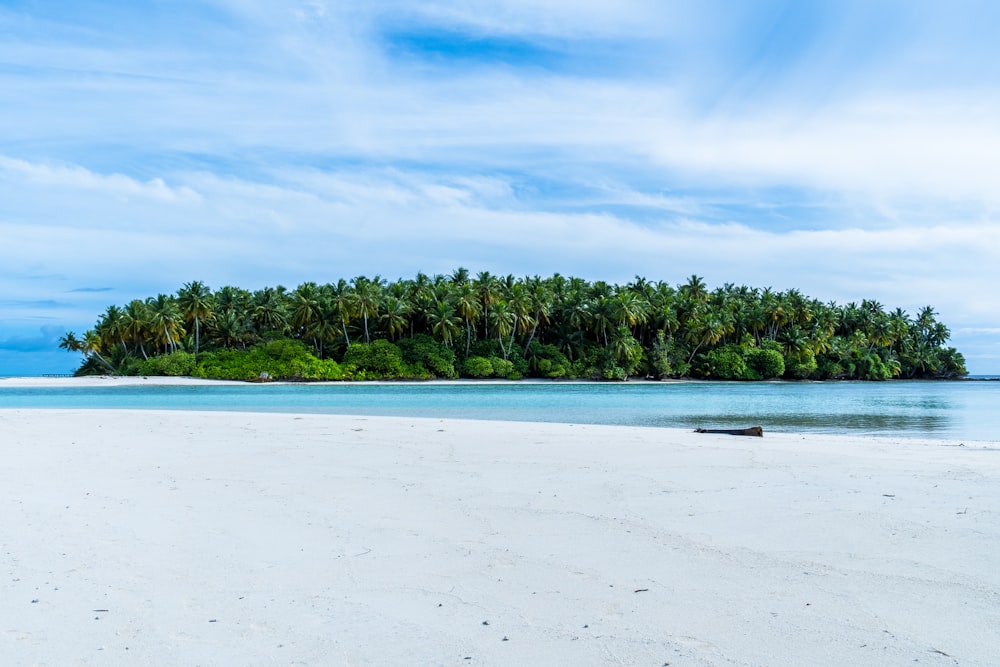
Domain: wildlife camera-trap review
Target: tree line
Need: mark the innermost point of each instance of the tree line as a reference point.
(502, 326)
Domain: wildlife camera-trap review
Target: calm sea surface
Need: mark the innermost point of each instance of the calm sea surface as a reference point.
(965, 409)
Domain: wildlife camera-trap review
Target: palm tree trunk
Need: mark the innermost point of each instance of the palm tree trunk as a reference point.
(105, 362)
(532, 336)
(695, 351)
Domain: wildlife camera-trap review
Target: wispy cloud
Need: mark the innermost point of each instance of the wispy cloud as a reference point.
(45, 340)
(76, 177)
(988, 331)
(846, 148)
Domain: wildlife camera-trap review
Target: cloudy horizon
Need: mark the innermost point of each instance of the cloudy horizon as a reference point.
(847, 149)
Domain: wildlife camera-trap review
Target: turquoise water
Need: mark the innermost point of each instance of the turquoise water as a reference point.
(969, 410)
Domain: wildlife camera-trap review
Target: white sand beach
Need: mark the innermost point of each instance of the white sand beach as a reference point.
(186, 538)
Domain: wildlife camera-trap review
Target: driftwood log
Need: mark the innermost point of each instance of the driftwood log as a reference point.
(757, 431)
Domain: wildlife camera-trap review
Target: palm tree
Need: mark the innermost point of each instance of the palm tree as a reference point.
(166, 320)
(469, 309)
(489, 293)
(111, 326)
(705, 328)
(230, 329)
(269, 312)
(231, 298)
(541, 305)
(344, 303)
(775, 312)
(135, 325)
(71, 343)
(305, 304)
(396, 316)
(195, 302)
(444, 323)
(503, 323)
(323, 329)
(520, 304)
(369, 296)
(694, 289)
(899, 326)
(630, 308)
(92, 345)
(602, 316)
(626, 350)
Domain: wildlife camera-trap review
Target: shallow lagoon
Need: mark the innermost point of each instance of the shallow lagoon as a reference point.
(952, 410)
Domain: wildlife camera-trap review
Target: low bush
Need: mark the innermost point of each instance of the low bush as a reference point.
(176, 364)
(766, 363)
(425, 356)
(379, 359)
(547, 361)
(276, 360)
(726, 363)
(477, 367)
(502, 368)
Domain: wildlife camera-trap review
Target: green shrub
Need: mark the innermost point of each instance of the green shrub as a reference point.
(286, 350)
(176, 364)
(767, 363)
(830, 370)
(872, 367)
(656, 361)
(553, 368)
(379, 359)
(277, 360)
(423, 355)
(477, 367)
(488, 347)
(726, 363)
(417, 372)
(626, 351)
(234, 365)
(502, 368)
(591, 363)
(130, 366)
(613, 371)
(316, 369)
(801, 366)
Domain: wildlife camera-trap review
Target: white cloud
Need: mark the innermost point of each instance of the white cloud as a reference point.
(78, 178)
(326, 226)
(908, 147)
(159, 157)
(382, 214)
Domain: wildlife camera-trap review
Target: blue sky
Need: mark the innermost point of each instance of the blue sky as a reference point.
(849, 149)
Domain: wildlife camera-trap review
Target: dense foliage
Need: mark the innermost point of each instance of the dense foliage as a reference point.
(490, 326)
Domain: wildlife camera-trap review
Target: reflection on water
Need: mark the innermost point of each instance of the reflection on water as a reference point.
(919, 409)
(821, 422)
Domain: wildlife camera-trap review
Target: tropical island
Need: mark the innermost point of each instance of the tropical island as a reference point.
(486, 326)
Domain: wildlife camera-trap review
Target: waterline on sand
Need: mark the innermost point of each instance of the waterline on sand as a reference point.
(964, 410)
